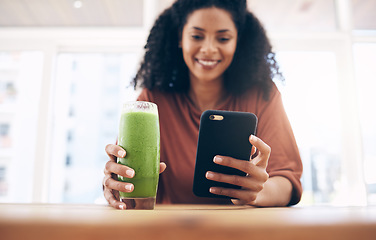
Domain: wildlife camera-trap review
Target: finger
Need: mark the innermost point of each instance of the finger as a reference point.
(260, 145)
(239, 202)
(242, 165)
(245, 182)
(253, 151)
(162, 167)
(243, 202)
(119, 169)
(244, 195)
(111, 183)
(264, 151)
(108, 194)
(115, 150)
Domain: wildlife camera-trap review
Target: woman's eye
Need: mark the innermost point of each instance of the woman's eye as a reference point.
(196, 37)
(224, 39)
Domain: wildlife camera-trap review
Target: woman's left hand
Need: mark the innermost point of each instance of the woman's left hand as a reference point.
(252, 183)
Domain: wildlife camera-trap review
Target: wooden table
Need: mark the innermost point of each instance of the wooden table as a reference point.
(51, 221)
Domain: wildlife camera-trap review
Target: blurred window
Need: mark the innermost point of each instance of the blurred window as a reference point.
(81, 109)
(20, 82)
(311, 100)
(365, 56)
(90, 90)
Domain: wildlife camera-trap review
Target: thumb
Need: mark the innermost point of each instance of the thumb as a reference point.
(264, 151)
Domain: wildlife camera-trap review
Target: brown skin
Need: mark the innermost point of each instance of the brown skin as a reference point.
(208, 44)
(210, 37)
(210, 34)
(257, 188)
(111, 187)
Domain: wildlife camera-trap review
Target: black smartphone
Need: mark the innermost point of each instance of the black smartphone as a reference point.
(223, 133)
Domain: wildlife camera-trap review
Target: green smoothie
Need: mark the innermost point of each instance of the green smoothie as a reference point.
(139, 136)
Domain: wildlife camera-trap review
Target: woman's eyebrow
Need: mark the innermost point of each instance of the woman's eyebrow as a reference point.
(199, 29)
(203, 30)
(223, 30)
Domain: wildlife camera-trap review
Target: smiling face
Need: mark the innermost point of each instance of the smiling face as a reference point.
(208, 43)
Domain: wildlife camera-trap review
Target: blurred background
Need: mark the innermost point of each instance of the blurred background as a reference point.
(65, 68)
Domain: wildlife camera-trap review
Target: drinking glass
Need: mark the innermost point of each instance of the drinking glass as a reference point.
(139, 135)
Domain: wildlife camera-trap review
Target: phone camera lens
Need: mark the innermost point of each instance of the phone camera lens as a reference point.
(211, 117)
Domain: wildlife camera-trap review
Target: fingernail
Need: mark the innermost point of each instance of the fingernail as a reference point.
(129, 187)
(121, 153)
(217, 159)
(212, 190)
(122, 207)
(253, 138)
(209, 175)
(130, 173)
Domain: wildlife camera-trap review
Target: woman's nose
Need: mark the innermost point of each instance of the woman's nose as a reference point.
(209, 47)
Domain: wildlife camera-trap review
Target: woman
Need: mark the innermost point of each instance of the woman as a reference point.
(213, 54)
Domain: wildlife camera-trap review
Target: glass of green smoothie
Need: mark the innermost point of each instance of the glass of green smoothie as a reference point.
(139, 136)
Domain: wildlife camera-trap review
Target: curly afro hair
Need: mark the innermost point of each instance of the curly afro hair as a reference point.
(163, 66)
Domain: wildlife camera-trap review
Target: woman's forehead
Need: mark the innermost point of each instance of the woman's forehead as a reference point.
(210, 18)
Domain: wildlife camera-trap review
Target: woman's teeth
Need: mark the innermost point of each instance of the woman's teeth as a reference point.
(207, 63)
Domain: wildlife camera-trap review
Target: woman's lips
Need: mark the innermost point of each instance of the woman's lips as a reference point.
(208, 63)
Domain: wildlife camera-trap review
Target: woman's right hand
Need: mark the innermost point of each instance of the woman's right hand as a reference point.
(111, 186)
